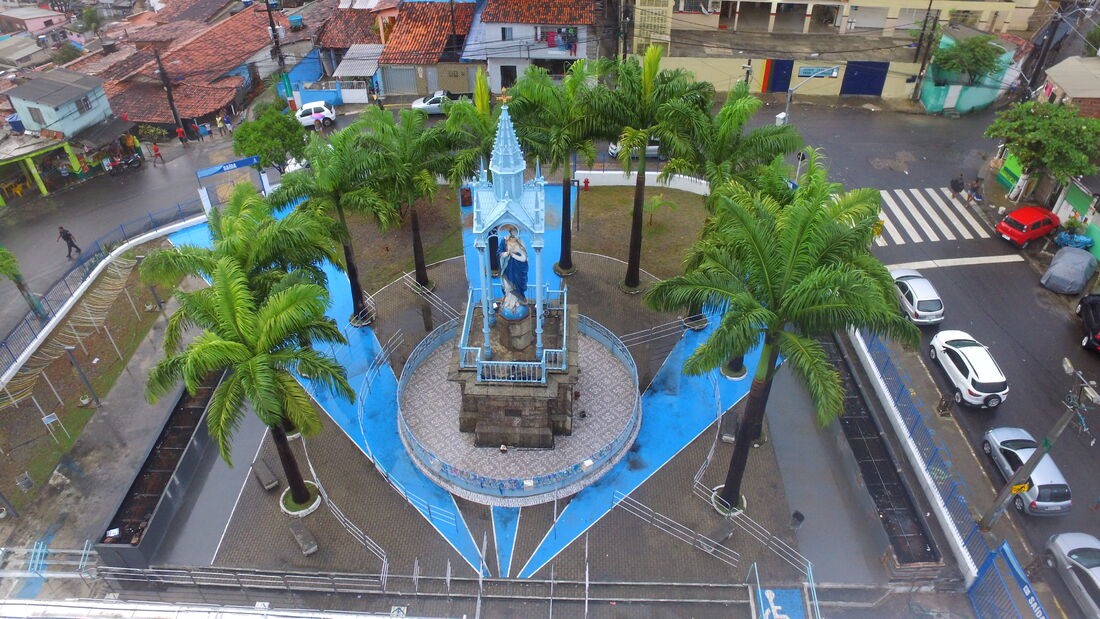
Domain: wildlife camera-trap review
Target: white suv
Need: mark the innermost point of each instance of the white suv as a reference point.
(977, 378)
(316, 110)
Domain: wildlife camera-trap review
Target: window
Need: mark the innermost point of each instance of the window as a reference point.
(36, 115)
(505, 34)
(957, 361)
(83, 105)
(48, 22)
(1087, 583)
(1013, 460)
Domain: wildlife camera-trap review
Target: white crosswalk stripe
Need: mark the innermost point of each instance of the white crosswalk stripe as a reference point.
(926, 215)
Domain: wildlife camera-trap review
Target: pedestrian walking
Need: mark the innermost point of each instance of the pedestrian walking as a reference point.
(221, 126)
(974, 192)
(198, 131)
(157, 155)
(957, 186)
(182, 135)
(70, 241)
(228, 123)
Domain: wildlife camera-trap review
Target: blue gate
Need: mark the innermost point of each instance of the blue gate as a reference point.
(864, 78)
(779, 75)
(991, 596)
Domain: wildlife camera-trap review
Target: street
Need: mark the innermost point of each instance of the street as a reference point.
(993, 295)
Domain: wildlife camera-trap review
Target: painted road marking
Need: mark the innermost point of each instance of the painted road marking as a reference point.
(890, 230)
(928, 210)
(947, 212)
(957, 262)
(965, 212)
(894, 210)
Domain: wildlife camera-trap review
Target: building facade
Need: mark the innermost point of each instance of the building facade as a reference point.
(60, 100)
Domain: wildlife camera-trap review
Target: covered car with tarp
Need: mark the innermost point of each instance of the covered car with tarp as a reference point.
(1069, 271)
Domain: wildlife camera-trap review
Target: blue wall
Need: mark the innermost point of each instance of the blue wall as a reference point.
(308, 70)
(65, 117)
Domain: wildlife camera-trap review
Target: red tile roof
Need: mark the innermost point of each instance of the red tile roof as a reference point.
(347, 27)
(163, 33)
(191, 10)
(422, 30)
(549, 12)
(145, 102)
(222, 48)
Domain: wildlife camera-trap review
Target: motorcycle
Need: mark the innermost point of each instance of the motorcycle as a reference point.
(118, 166)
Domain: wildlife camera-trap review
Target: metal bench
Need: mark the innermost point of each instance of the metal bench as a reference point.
(304, 537)
(264, 476)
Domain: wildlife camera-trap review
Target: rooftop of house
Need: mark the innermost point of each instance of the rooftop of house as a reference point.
(18, 46)
(191, 10)
(557, 12)
(55, 87)
(102, 64)
(30, 12)
(823, 49)
(220, 48)
(13, 145)
(163, 33)
(347, 27)
(1077, 76)
(145, 102)
(423, 31)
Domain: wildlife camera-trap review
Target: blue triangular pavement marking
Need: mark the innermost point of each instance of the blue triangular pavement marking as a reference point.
(675, 410)
(505, 525)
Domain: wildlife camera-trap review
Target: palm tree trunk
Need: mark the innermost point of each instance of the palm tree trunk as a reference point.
(634, 257)
(418, 250)
(752, 420)
(294, 480)
(565, 261)
(359, 307)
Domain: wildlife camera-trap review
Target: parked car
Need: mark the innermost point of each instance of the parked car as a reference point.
(1026, 224)
(976, 377)
(316, 110)
(1047, 492)
(1069, 271)
(1076, 558)
(1088, 310)
(918, 297)
(433, 104)
(652, 150)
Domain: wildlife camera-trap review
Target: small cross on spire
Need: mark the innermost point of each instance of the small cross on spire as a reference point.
(504, 96)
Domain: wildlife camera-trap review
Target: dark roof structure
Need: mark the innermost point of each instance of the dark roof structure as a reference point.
(56, 87)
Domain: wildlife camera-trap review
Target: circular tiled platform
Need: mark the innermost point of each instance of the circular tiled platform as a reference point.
(429, 405)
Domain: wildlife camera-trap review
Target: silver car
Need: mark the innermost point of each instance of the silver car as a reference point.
(1047, 492)
(918, 297)
(1076, 556)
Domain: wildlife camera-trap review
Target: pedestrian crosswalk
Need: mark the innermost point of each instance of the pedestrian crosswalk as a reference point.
(927, 215)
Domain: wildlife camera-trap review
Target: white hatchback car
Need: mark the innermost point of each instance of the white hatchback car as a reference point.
(316, 110)
(918, 297)
(1076, 556)
(977, 378)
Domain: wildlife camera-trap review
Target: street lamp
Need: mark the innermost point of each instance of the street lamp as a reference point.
(1020, 479)
(786, 119)
(84, 379)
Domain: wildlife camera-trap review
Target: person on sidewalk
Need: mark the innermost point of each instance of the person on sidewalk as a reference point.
(182, 135)
(228, 123)
(157, 155)
(957, 186)
(221, 126)
(70, 241)
(198, 130)
(974, 192)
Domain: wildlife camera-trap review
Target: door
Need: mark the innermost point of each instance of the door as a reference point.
(399, 80)
(779, 75)
(507, 75)
(864, 78)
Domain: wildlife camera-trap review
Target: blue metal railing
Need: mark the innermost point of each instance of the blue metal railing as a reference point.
(515, 487)
(470, 357)
(20, 338)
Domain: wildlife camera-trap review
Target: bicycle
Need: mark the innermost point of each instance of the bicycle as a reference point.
(1080, 424)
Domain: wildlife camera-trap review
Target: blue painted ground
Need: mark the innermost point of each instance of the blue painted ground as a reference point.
(381, 442)
(505, 525)
(675, 410)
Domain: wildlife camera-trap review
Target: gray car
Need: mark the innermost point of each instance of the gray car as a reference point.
(918, 297)
(1047, 493)
(1076, 556)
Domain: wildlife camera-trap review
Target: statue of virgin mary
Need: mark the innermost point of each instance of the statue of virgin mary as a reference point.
(513, 277)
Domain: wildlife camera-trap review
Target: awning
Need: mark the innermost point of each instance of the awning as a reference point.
(361, 60)
(101, 134)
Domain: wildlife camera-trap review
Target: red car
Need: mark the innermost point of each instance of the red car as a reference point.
(1026, 224)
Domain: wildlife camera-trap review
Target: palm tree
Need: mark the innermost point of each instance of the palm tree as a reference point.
(258, 343)
(644, 105)
(555, 122)
(721, 150)
(472, 127)
(336, 181)
(9, 268)
(783, 275)
(406, 156)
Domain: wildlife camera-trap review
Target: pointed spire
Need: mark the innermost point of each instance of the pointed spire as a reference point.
(507, 161)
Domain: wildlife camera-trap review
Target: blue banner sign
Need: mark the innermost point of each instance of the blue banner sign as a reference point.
(818, 71)
(226, 167)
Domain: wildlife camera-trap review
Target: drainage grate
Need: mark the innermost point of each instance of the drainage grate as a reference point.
(910, 540)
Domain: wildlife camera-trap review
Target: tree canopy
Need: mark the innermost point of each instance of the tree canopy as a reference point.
(66, 53)
(976, 57)
(274, 137)
(1048, 137)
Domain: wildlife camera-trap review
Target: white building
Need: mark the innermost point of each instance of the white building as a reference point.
(510, 35)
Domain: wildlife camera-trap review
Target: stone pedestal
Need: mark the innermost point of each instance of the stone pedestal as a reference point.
(514, 412)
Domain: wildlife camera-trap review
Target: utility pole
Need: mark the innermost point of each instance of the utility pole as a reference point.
(923, 29)
(271, 4)
(927, 49)
(1040, 63)
(1023, 474)
(167, 88)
